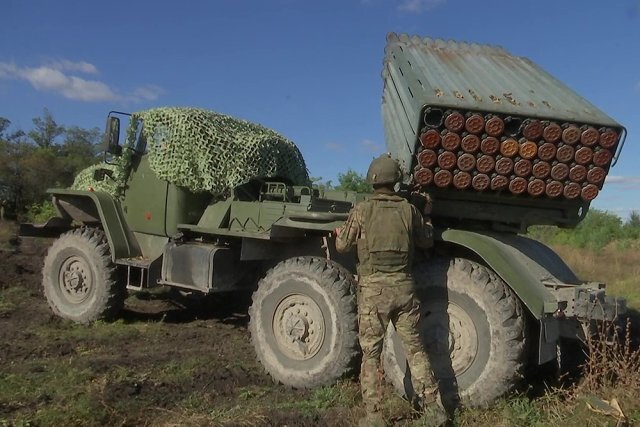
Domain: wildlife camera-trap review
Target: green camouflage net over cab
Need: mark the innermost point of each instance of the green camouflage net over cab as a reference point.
(206, 151)
(85, 180)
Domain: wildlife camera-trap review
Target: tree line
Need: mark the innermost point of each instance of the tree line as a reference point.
(47, 155)
(598, 229)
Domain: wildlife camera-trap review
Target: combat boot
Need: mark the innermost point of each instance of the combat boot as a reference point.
(432, 409)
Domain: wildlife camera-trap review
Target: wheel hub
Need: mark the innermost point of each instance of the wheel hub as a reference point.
(75, 279)
(451, 338)
(298, 326)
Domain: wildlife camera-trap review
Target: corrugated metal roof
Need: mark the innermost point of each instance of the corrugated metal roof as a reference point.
(421, 72)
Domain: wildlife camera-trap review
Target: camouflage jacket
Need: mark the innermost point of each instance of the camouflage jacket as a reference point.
(354, 232)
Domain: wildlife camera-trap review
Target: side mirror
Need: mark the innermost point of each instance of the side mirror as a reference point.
(112, 136)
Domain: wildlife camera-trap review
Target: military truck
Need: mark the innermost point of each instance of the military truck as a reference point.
(483, 132)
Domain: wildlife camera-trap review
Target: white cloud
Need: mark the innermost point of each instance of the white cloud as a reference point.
(147, 93)
(56, 77)
(624, 181)
(371, 146)
(66, 65)
(419, 6)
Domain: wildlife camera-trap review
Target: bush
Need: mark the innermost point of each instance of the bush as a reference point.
(40, 212)
(597, 230)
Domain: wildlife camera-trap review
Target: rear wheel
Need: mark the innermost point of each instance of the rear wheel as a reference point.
(79, 279)
(473, 331)
(303, 322)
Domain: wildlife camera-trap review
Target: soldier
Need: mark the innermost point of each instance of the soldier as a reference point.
(386, 229)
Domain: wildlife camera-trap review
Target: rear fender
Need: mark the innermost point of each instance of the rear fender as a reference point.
(97, 207)
(524, 264)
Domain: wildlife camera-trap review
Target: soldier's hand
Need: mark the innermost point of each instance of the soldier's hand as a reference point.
(422, 201)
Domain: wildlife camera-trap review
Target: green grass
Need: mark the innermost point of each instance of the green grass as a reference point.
(7, 231)
(340, 395)
(51, 392)
(11, 298)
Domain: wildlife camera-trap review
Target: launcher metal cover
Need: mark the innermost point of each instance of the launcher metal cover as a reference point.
(492, 136)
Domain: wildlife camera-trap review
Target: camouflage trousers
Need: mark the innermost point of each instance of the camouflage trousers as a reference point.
(384, 298)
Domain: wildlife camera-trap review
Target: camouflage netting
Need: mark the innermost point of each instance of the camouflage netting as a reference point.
(85, 179)
(206, 151)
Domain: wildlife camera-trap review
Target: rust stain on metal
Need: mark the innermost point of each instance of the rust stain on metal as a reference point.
(439, 93)
(495, 99)
(509, 97)
(475, 96)
(546, 104)
(458, 94)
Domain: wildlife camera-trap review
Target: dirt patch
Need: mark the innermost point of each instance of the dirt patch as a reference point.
(166, 361)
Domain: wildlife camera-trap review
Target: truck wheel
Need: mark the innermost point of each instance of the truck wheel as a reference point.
(79, 278)
(303, 322)
(473, 331)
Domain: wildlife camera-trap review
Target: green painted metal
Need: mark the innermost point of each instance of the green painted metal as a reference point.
(524, 264)
(122, 242)
(145, 199)
(151, 246)
(183, 207)
(215, 216)
(264, 220)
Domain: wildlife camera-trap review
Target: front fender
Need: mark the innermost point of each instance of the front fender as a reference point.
(91, 207)
(524, 264)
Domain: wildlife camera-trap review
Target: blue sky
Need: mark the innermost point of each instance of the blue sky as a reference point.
(308, 69)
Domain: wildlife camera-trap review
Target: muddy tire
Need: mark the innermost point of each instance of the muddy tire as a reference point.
(303, 322)
(473, 330)
(79, 278)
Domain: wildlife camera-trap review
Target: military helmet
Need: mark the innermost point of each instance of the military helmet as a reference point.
(384, 170)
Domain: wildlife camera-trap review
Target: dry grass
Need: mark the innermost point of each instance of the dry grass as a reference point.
(618, 267)
(614, 360)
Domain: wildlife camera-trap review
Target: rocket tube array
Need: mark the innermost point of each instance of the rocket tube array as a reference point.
(523, 156)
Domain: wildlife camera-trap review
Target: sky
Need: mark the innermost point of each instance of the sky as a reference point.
(307, 69)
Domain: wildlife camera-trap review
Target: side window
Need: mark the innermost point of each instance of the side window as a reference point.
(134, 138)
(141, 139)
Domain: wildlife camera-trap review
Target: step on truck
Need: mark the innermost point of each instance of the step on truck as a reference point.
(208, 204)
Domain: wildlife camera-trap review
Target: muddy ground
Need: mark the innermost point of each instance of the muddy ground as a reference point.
(162, 363)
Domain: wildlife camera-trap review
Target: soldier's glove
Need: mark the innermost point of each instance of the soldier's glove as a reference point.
(422, 201)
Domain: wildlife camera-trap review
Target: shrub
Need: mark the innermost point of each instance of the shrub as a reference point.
(40, 212)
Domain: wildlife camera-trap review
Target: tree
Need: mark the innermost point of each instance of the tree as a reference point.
(632, 226)
(46, 131)
(353, 181)
(4, 125)
(634, 219)
(78, 151)
(598, 229)
(28, 166)
(317, 182)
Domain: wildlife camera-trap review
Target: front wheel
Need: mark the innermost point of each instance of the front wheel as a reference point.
(303, 322)
(79, 279)
(472, 329)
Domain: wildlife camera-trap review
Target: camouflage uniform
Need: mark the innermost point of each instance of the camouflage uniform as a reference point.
(386, 288)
